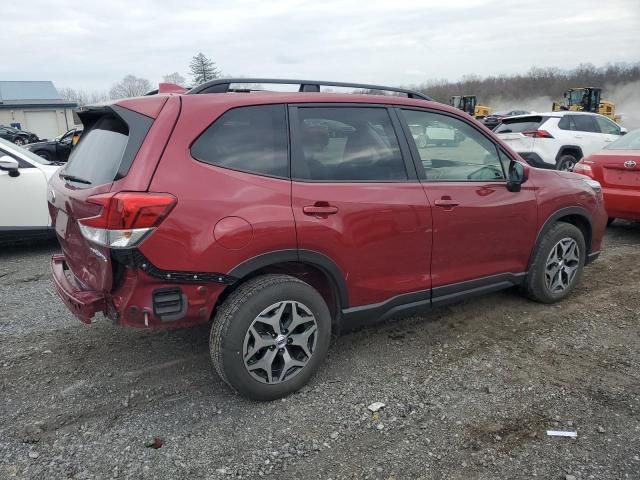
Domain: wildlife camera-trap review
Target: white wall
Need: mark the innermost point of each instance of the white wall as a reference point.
(63, 119)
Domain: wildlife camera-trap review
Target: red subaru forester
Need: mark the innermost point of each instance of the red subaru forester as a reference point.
(282, 217)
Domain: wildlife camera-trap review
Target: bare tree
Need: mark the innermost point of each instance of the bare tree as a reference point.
(130, 86)
(203, 69)
(82, 97)
(537, 82)
(174, 78)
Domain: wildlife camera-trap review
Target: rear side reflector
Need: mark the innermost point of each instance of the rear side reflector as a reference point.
(537, 134)
(126, 217)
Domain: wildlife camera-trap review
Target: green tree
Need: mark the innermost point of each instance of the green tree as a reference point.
(203, 69)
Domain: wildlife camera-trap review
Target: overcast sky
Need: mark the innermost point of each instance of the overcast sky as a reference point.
(91, 45)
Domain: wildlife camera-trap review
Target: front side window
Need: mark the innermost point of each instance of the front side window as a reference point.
(607, 126)
(250, 139)
(66, 139)
(453, 150)
(346, 144)
(631, 141)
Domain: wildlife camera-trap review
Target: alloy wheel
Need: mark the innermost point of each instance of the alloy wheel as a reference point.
(562, 265)
(280, 342)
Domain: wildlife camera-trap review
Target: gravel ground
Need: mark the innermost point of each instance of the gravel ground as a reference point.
(469, 391)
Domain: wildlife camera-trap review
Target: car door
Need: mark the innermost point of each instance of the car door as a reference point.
(586, 134)
(357, 201)
(609, 130)
(24, 197)
(63, 147)
(481, 230)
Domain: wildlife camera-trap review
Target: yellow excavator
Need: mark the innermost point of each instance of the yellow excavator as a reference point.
(468, 103)
(586, 99)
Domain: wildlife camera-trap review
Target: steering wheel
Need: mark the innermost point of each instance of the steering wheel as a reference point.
(478, 174)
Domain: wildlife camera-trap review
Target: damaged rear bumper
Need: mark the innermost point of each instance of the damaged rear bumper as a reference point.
(83, 303)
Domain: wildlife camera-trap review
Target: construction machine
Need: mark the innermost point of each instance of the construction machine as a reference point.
(468, 103)
(586, 99)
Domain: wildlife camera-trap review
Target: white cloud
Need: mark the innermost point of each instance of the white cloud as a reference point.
(92, 44)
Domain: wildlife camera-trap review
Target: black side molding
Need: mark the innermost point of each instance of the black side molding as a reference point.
(420, 301)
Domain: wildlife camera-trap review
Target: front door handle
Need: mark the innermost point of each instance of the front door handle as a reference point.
(577, 136)
(320, 209)
(446, 203)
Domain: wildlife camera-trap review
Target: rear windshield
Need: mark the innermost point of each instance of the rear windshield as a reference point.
(517, 125)
(97, 156)
(630, 141)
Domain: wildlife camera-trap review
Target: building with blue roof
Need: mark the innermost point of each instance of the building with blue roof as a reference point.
(35, 106)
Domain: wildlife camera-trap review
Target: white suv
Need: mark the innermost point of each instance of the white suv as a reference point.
(558, 139)
(23, 193)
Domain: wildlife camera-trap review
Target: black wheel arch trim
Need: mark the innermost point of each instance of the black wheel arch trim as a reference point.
(553, 218)
(316, 259)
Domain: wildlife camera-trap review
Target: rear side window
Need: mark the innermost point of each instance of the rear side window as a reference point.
(251, 139)
(98, 156)
(518, 125)
(566, 123)
(346, 144)
(583, 123)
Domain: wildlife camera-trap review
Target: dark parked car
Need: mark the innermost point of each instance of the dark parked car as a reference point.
(19, 137)
(58, 149)
(493, 120)
(178, 209)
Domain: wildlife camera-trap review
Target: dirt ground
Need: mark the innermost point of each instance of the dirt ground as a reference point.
(470, 391)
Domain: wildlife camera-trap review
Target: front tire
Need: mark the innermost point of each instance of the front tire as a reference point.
(557, 264)
(20, 141)
(270, 336)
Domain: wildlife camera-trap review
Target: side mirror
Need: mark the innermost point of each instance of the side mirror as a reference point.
(10, 164)
(518, 174)
(623, 131)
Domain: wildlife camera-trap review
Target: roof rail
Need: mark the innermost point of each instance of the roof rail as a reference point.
(222, 85)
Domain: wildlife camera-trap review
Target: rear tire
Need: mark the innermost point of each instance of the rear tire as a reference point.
(557, 264)
(254, 328)
(566, 163)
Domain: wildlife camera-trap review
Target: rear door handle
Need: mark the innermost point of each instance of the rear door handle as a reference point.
(577, 136)
(446, 203)
(320, 210)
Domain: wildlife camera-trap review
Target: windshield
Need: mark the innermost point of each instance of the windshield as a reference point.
(630, 141)
(24, 153)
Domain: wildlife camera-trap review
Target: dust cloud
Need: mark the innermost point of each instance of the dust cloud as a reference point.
(625, 96)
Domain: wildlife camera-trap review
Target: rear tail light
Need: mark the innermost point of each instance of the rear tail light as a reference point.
(584, 168)
(537, 134)
(126, 218)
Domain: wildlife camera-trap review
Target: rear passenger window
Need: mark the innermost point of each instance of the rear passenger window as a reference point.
(452, 150)
(566, 123)
(346, 144)
(584, 123)
(251, 139)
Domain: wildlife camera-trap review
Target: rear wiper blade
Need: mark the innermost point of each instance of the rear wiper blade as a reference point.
(73, 178)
